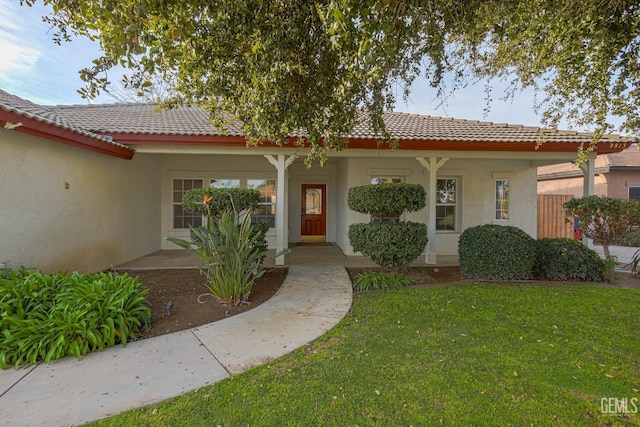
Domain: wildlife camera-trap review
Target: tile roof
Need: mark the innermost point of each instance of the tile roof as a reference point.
(48, 115)
(138, 118)
(147, 119)
(629, 158)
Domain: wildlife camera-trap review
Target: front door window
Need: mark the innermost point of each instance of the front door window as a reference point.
(313, 221)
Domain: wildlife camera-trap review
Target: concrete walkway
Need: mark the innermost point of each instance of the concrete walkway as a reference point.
(313, 298)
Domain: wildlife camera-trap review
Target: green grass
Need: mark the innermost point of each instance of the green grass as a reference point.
(444, 355)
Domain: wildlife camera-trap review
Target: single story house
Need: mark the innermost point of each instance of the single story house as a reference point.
(86, 187)
(616, 175)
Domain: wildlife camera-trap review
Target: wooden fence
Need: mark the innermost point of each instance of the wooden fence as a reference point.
(551, 222)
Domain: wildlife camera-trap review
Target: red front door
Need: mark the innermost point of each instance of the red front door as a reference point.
(314, 217)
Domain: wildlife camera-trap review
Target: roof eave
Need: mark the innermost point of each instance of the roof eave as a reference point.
(52, 132)
(370, 143)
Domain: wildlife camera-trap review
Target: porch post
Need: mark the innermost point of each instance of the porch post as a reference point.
(432, 165)
(589, 177)
(281, 164)
(588, 186)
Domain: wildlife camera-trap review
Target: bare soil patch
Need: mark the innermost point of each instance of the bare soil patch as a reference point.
(193, 305)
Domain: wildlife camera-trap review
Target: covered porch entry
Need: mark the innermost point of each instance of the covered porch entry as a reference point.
(304, 254)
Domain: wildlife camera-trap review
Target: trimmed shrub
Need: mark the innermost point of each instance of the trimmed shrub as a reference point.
(222, 199)
(392, 246)
(48, 316)
(496, 252)
(386, 199)
(566, 259)
(377, 280)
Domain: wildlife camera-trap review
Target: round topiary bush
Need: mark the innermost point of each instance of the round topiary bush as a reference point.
(392, 246)
(566, 259)
(389, 242)
(496, 252)
(390, 199)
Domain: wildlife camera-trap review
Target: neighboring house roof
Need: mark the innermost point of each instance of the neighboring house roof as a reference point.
(25, 116)
(137, 124)
(625, 160)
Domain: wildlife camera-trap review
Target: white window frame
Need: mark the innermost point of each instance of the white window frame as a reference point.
(635, 187)
(271, 203)
(208, 180)
(501, 213)
(455, 205)
(174, 203)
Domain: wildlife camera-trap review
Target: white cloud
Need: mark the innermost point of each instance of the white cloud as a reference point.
(16, 58)
(18, 49)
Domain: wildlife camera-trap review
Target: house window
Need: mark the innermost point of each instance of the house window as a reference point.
(224, 183)
(182, 218)
(266, 209)
(634, 193)
(386, 180)
(502, 199)
(446, 204)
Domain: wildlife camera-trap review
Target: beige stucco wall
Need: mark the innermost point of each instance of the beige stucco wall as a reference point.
(618, 183)
(106, 216)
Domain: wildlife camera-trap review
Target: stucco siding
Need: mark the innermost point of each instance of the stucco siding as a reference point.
(619, 183)
(65, 208)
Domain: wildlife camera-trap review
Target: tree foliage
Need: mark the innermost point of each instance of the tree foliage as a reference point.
(307, 68)
(603, 219)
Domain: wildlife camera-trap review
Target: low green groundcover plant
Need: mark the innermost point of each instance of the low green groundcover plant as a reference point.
(379, 280)
(45, 317)
(453, 355)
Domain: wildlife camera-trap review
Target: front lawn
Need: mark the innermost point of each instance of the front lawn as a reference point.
(466, 354)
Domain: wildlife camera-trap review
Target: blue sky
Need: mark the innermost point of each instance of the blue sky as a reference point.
(35, 68)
